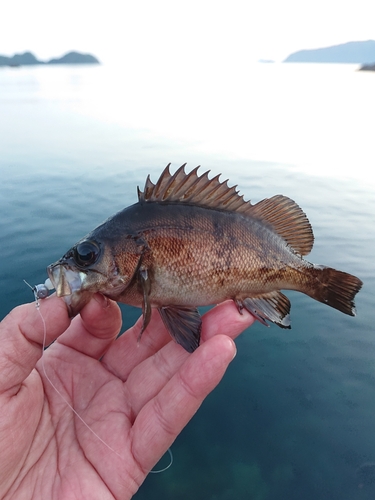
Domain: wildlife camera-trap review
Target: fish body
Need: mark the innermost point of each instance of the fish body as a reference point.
(191, 241)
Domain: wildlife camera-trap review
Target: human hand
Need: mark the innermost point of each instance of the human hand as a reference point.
(137, 398)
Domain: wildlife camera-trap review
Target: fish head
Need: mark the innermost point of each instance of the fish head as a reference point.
(88, 267)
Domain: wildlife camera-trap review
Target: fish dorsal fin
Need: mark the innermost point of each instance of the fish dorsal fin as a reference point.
(281, 213)
(288, 220)
(192, 189)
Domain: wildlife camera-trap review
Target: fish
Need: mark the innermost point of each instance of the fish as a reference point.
(192, 241)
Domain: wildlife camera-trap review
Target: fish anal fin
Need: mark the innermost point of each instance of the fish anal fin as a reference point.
(273, 306)
(252, 310)
(184, 324)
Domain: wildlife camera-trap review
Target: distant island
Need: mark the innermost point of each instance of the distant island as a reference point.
(349, 53)
(367, 67)
(28, 59)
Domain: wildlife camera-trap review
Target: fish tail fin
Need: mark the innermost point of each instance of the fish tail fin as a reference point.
(335, 288)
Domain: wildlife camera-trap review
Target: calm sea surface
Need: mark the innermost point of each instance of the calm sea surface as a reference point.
(294, 417)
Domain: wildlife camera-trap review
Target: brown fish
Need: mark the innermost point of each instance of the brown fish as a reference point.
(192, 241)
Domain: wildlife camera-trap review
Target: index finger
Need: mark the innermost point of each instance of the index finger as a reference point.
(164, 416)
(22, 334)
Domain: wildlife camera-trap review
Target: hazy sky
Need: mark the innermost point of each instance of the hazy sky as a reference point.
(188, 33)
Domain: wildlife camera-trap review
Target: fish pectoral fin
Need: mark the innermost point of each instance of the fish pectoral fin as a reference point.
(145, 283)
(184, 324)
(273, 306)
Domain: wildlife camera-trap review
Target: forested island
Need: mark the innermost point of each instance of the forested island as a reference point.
(28, 59)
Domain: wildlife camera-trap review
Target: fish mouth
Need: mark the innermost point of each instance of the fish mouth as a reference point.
(65, 280)
(69, 284)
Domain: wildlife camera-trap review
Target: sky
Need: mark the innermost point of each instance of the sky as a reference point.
(165, 34)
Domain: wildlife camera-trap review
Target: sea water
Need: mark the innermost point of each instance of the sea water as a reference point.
(294, 415)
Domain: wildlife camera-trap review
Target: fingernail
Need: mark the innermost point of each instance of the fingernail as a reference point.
(235, 351)
(100, 299)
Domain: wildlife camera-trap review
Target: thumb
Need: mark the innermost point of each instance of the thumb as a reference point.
(22, 334)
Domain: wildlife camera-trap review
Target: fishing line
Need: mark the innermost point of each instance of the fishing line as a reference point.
(167, 467)
(41, 292)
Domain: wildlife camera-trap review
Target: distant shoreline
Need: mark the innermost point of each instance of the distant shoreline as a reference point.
(362, 52)
(28, 59)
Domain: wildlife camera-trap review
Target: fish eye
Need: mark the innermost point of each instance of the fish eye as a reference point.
(86, 253)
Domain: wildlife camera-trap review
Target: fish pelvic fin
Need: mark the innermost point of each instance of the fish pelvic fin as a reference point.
(282, 214)
(273, 306)
(184, 324)
(334, 288)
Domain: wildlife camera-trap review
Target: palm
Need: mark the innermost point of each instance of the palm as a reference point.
(135, 400)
